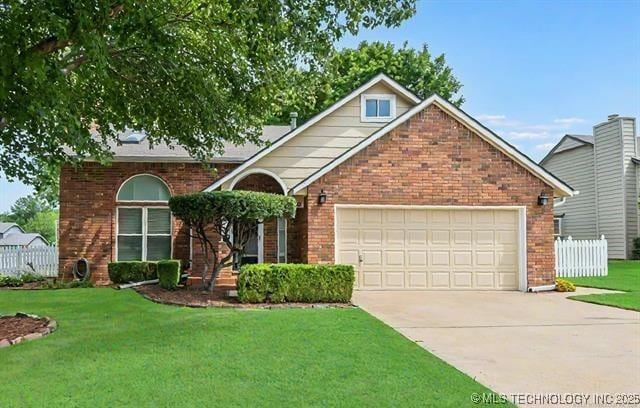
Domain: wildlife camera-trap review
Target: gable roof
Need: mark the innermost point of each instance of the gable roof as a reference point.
(141, 151)
(581, 139)
(5, 226)
(468, 121)
(20, 239)
(382, 77)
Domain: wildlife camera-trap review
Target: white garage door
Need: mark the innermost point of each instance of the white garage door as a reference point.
(429, 248)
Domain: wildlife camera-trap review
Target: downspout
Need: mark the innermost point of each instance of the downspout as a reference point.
(543, 288)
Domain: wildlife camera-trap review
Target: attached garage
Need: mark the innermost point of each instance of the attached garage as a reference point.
(420, 248)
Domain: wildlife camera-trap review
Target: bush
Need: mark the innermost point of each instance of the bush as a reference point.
(169, 274)
(635, 253)
(60, 284)
(132, 271)
(17, 281)
(277, 283)
(563, 285)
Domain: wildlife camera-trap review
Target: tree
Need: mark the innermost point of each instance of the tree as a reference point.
(228, 216)
(34, 214)
(194, 73)
(314, 89)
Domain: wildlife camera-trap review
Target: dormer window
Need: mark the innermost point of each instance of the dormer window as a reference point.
(377, 108)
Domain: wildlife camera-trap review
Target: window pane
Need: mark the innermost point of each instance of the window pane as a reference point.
(384, 107)
(130, 220)
(158, 221)
(158, 248)
(129, 248)
(371, 108)
(144, 188)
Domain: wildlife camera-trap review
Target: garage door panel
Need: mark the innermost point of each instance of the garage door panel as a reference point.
(430, 248)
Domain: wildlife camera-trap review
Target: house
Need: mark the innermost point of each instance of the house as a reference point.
(416, 194)
(12, 236)
(605, 169)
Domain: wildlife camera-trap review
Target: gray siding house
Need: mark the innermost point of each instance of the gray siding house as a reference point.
(605, 168)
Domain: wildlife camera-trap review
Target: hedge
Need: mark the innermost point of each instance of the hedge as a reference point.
(278, 283)
(132, 271)
(169, 274)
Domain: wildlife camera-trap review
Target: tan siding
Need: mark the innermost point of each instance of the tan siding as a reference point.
(610, 189)
(630, 180)
(330, 137)
(575, 167)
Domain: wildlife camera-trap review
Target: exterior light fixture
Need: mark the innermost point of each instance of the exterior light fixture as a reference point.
(322, 197)
(543, 199)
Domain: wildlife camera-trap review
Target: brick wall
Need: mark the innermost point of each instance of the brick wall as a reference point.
(433, 160)
(88, 209)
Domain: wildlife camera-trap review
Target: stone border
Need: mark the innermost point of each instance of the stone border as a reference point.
(248, 306)
(52, 325)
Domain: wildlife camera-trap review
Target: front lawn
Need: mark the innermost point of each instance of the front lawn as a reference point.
(623, 276)
(115, 348)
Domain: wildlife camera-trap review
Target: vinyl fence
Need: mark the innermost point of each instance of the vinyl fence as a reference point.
(41, 260)
(581, 257)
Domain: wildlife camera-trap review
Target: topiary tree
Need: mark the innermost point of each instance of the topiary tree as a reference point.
(227, 216)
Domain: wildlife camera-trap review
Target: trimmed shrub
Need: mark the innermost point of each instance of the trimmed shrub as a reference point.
(563, 285)
(132, 271)
(635, 253)
(169, 274)
(277, 283)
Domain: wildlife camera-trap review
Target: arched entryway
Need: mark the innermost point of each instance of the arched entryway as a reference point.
(270, 243)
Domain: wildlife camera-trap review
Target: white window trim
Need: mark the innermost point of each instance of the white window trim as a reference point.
(142, 201)
(282, 220)
(144, 234)
(559, 234)
(363, 107)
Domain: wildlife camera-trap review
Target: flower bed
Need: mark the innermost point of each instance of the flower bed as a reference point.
(22, 327)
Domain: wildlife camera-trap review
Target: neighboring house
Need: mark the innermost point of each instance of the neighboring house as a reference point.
(416, 194)
(12, 236)
(605, 169)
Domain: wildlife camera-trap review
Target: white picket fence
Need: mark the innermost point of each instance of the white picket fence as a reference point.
(43, 259)
(581, 257)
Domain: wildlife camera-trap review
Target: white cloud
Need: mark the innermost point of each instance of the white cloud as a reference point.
(545, 146)
(568, 121)
(527, 135)
(491, 118)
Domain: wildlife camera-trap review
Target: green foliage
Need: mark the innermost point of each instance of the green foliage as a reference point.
(563, 285)
(635, 252)
(311, 91)
(232, 206)
(34, 214)
(277, 283)
(132, 271)
(60, 284)
(169, 274)
(177, 69)
(17, 281)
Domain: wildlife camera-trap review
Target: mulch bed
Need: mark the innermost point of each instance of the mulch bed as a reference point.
(22, 327)
(192, 297)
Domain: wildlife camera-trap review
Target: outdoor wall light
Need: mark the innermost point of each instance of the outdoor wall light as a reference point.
(543, 199)
(322, 197)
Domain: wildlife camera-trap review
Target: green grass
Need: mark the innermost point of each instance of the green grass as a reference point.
(115, 348)
(623, 276)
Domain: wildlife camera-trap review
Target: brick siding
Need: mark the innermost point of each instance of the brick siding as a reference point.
(432, 159)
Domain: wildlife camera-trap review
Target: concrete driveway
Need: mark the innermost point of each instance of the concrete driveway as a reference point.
(520, 343)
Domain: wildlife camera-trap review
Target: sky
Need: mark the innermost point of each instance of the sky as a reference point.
(532, 71)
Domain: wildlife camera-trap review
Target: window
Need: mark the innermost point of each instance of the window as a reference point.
(557, 226)
(282, 240)
(143, 187)
(144, 234)
(377, 108)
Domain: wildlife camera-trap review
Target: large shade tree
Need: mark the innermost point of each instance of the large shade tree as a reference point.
(230, 217)
(313, 89)
(189, 72)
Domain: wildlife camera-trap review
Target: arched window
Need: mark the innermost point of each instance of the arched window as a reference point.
(144, 187)
(144, 230)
